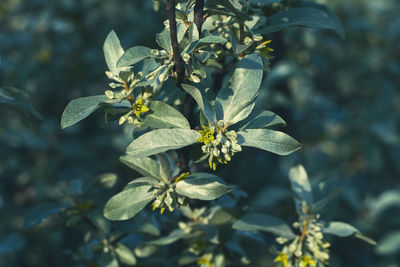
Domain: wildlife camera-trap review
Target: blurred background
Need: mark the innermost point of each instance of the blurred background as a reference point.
(340, 98)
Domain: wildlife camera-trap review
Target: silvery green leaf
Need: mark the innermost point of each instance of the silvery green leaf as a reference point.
(263, 222)
(390, 244)
(245, 111)
(165, 166)
(41, 212)
(244, 85)
(128, 203)
(125, 254)
(18, 99)
(344, 229)
(193, 33)
(161, 140)
(169, 239)
(213, 39)
(264, 3)
(164, 40)
(261, 119)
(305, 17)
(181, 29)
(12, 243)
(301, 186)
(134, 55)
(201, 100)
(112, 52)
(80, 108)
(162, 115)
(204, 186)
(108, 260)
(145, 166)
(269, 140)
(239, 48)
(141, 181)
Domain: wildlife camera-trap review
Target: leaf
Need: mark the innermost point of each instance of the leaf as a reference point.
(19, 100)
(305, 16)
(41, 212)
(161, 140)
(11, 243)
(125, 254)
(263, 222)
(213, 39)
(165, 167)
(128, 203)
(390, 244)
(162, 115)
(203, 186)
(134, 55)
(269, 140)
(264, 3)
(343, 229)
(201, 100)
(141, 181)
(163, 39)
(244, 85)
(108, 260)
(79, 109)
(301, 186)
(169, 239)
(112, 52)
(261, 119)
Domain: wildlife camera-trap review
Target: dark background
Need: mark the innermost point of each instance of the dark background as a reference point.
(340, 98)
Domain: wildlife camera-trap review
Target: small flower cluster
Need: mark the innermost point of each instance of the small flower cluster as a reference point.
(139, 105)
(220, 145)
(166, 195)
(305, 250)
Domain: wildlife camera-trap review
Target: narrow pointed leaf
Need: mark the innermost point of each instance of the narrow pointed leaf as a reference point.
(301, 186)
(128, 203)
(244, 85)
(213, 39)
(343, 229)
(161, 140)
(263, 222)
(203, 186)
(79, 109)
(390, 244)
(261, 119)
(134, 55)
(145, 166)
(112, 52)
(19, 100)
(305, 17)
(41, 212)
(125, 254)
(162, 115)
(201, 100)
(169, 239)
(269, 140)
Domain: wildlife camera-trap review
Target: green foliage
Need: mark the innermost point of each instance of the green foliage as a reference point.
(19, 100)
(185, 114)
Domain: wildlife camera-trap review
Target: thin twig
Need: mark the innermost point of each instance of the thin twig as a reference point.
(176, 54)
(198, 14)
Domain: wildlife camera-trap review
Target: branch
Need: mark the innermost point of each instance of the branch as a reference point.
(198, 14)
(176, 54)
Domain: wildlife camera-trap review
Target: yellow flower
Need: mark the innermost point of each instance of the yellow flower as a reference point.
(204, 261)
(139, 107)
(264, 49)
(207, 136)
(283, 258)
(307, 260)
(182, 177)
